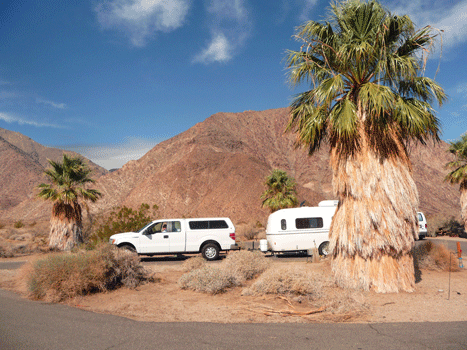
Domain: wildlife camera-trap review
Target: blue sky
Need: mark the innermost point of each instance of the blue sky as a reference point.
(110, 79)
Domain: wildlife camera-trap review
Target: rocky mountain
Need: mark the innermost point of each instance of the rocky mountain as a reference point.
(217, 168)
(22, 162)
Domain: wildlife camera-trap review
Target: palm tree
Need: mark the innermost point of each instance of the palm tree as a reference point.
(68, 181)
(368, 100)
(280, 192)
(459, 173)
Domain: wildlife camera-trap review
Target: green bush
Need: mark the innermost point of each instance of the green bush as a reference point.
(18, 224)
(123, 219)
(60, 276)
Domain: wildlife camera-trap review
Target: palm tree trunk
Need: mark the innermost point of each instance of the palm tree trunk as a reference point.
(463, 200)
(65, 227)
(373, 230)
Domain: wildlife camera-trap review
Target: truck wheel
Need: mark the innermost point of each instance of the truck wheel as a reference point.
(128, 247)
(324, 249)
(210, 251)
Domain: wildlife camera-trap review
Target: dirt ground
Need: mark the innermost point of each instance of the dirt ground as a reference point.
(439, 297)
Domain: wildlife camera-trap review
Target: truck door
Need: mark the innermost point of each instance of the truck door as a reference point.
(177, 236)
(154, 240)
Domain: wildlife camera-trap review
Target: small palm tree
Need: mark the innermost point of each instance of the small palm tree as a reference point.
(68, 180)
(458, 175)
(280, 192)
(368, 99)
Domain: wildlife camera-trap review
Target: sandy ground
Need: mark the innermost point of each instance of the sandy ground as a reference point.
(439, 296)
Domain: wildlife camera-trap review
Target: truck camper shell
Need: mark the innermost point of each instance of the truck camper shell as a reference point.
(300, 229)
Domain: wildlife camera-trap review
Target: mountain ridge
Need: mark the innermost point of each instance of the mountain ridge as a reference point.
(218, 168)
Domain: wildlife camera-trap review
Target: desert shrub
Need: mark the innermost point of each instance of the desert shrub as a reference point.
(287, 280)
(61, 276)
(122, 219)
(207, 279)
(250, 231)
(6, 252)
(244, 265)
(431, 256)
(238, 267)
(450, 227)
(18, 224)
(251, 234)
(194, 263)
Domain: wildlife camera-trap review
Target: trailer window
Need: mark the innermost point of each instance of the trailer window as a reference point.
(283, 224)
(303, 223)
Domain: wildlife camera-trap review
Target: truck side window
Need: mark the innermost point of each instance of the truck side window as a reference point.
(175, 226)
(283, 224)
(157, 227)
(304, 223)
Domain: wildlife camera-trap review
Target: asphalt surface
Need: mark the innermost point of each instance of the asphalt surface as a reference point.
(26, 324)
(289, 257)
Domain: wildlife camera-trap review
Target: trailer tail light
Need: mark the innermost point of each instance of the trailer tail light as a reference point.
(232, 235)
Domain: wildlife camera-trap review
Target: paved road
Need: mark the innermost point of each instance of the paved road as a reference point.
(34, 325)
(175, 260)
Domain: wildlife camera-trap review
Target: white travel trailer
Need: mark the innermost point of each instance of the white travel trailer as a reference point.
(299, 229)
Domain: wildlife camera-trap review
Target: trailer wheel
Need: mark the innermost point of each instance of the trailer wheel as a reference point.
(324, 249)
(210, 251)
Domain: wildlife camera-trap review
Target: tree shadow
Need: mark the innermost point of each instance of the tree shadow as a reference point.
(417, 271)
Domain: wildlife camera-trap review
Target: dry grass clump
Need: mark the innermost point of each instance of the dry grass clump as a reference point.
(245, 265)
(288, 280)
(437, 257)
(60, 276)
(207, 279)
(193, 263)
(238, 267)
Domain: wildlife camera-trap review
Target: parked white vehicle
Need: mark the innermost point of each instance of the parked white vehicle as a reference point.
(207, 236)
(299, 229)
(422, 224)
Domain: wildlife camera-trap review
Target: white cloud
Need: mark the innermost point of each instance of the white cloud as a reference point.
(51, 103)
(451, 18)
(6, 95)
(308, 6)
(230, 27)
(114, 156)
(141, 19)
(217, 51)
(21, 121)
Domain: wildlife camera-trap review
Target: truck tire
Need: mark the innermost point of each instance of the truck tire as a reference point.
(128, 247)
(210, 251)
(324, 249)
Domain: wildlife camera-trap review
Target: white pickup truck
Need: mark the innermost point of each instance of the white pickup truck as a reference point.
(207, 236)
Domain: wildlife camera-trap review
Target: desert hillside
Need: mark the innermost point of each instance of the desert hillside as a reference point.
(22, 162)
(215, 168)
(218, 167)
